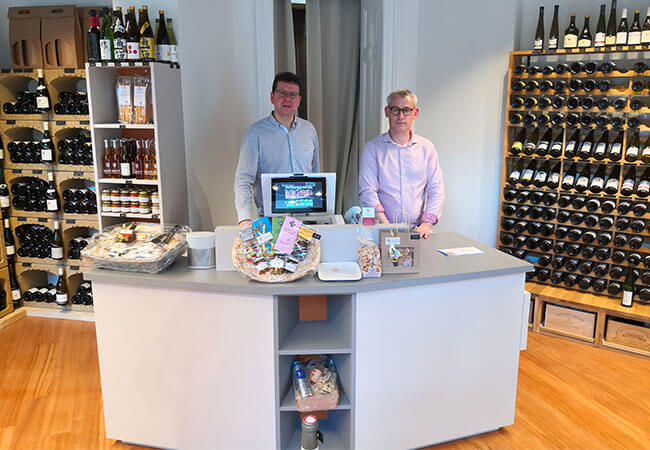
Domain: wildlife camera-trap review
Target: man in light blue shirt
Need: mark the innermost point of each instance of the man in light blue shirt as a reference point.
(279, 143)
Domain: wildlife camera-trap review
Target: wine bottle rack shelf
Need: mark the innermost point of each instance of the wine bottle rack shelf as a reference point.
(608, 303)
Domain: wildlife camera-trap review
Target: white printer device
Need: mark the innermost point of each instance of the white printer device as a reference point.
(309, 197)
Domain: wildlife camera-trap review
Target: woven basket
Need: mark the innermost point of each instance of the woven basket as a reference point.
(308, 266)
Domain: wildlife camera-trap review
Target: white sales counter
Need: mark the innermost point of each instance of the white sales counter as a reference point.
(200, 359)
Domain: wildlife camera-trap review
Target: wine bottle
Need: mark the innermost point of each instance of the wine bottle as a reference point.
(132, 36)
(600, 29)
(56, 245)
(544, 142)
(571, 145)
(16, 294)
(509, 210)
(628, 288)
(94, 52)
(571, 265)
(541, 174)
(162, 39)
(173, 43)
(624, 207)
(603, 254)
(597, 181)
(634, 35)
(531, 142)
(569, 177)
(637, 226)
(578, 202)
(119, 35)
(51, 196)
(571, 34)
(582, 180)
(611, 187)
(61, 289)
(515, 173)
(616, 148)
(589, 236)
(42, 94)
(585, 39)
(147, 43)
(610, 37)
(106, 38)
(586, 145)
(635, 242)
(554, 32)
(556, 146)
(557, 277)
(636, 104)
(545, 102)
(527, 175)
(643, 188)
(638, 85)
(621, 32)
(600, 151)
(603, 103)
(570, 279)
(645, 32)
(632, 152)
(587, 102)
(10, 248)
(550, 198)
(593, 204)
(538, 43)
(517, 102)
(47, 148)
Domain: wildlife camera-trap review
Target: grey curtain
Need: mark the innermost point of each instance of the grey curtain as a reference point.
(285, 48)
(333, 40)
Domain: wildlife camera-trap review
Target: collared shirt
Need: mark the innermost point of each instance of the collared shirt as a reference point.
(269, 147)
(404, 182)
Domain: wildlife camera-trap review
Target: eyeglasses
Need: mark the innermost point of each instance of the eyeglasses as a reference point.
(286, 94)
(394, 110)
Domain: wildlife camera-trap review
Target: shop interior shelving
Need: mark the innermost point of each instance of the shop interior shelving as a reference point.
(597, 313)
(166, 130)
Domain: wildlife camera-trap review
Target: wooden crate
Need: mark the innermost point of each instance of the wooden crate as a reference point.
(66, 129)
(21, 130)
(6, 287)
(31, 275)
(73, 230)
(58, 80)
(571, 322)
(78, 180)
(19, 221)
(628, 335)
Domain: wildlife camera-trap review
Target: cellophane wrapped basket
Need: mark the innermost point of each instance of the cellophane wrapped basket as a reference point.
(137, 247)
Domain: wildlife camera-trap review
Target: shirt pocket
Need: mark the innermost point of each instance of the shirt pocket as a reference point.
(303, 153)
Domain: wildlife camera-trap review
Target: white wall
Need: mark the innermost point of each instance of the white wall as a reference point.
(460, 75)
(223, 63)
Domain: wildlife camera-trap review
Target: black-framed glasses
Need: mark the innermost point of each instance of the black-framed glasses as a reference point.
(287, 94)
(394, 110)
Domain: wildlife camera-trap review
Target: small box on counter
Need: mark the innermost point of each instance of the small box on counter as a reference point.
(400, 251)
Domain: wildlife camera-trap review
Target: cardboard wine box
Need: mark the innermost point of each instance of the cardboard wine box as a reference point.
(61, 37)
(25, 37)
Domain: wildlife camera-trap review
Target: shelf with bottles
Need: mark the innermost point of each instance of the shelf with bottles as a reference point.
(18, 95)
(29, 193)
(6, 303)
(77, 193)
(33, 240)
(75, 239)
(73, 145)
(68, 94)
(23, 143)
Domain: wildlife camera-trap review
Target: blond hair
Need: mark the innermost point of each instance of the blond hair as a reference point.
(402, 93)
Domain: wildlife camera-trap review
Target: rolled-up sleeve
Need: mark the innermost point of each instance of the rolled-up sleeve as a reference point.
(246, 174)
(435, 191)
(369, 178)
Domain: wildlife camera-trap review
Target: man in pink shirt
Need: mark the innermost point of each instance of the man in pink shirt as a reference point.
(399, 173)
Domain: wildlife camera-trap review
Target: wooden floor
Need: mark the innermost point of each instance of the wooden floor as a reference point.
(571, 396)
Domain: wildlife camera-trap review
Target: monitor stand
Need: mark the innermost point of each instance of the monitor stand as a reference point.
(320, 219)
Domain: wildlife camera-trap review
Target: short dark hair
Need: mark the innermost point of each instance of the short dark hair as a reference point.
(287, 77)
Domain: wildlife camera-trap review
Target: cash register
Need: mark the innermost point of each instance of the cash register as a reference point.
(310, 197)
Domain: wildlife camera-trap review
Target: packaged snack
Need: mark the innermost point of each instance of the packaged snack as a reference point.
(369, 255)
(124, 92)
(141, 100)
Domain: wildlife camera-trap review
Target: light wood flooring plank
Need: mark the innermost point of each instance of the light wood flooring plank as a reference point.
(570, 395)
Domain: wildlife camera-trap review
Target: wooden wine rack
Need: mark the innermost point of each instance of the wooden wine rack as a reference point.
(578, 303)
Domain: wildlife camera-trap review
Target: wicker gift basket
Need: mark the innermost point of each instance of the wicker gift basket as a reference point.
(137, 247)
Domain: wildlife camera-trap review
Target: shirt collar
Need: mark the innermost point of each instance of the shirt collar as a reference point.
(275, 122)
(412, 139)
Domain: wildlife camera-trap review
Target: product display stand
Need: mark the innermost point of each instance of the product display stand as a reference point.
(560, 306)
(166, 130)
(32, 272)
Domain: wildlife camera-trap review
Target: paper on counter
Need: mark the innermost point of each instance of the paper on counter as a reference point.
(460, 251)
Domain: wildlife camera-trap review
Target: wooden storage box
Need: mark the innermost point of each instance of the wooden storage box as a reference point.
(13, 176)
(11, 83)
(20, 221)
(61, 37)
(570, 321)
(71, 80)
(6, 287)
(21, 130)
(25, 37)
(628, 334)
(68, 129)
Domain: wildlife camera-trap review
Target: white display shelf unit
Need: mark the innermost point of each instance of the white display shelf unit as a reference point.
(166, 131)
(334, 337)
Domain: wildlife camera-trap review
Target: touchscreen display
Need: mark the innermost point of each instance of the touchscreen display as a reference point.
(298, 195)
